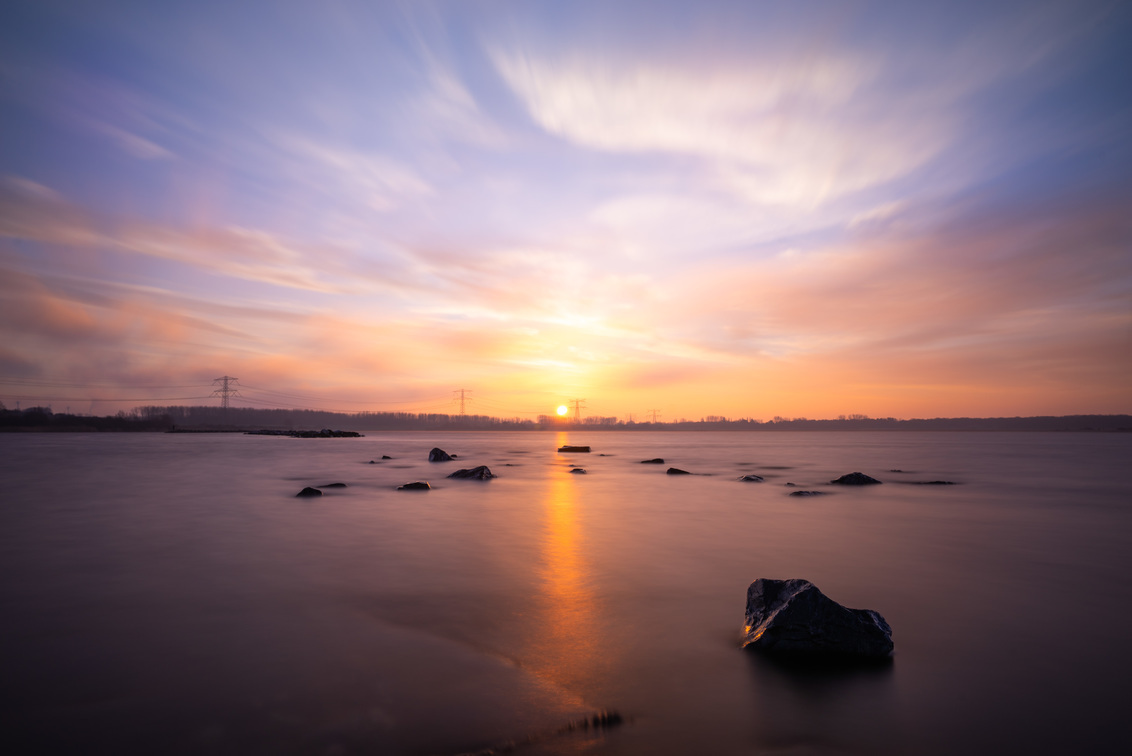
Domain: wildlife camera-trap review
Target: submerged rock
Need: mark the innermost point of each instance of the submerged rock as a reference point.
(856, 479)
(475, 473)
(930, 482)
(568, 449)
(439, 455)
(677, 471)
(657, 461)
(751, 478)
(793, 617)
(308, 491)
(334, 485)
(418, 486)
(579, 470)
(807, 493)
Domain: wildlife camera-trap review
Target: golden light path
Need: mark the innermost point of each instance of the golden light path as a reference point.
(568, 636)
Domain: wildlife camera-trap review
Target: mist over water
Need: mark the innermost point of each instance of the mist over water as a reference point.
(168, 593)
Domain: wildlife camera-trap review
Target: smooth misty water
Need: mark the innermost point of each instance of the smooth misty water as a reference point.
(168, 594)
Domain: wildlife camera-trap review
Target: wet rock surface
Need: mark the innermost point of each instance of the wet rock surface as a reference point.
(793, 617)
(677, 471)
(436, 454)
(855, 479)
(309, 492)
(474, 473)
(417, 486)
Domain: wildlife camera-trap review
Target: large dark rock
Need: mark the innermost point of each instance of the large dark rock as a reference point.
(308, 491)
(474, 473)
(855, 479)
(439, 455)
(793, 617)
(417, 486)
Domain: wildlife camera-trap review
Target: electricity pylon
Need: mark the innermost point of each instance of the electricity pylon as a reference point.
(227, 388)
(463, 398)
(578, 404)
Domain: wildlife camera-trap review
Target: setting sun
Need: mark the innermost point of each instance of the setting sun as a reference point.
(562, 410)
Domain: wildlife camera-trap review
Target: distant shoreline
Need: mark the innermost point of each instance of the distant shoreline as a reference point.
(312, 423)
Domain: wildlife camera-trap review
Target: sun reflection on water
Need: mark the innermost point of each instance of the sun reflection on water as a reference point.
(568, 622)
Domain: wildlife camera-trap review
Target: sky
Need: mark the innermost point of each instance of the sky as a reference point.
(734, 209)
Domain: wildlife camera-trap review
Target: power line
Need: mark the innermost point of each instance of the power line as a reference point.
(328, 399)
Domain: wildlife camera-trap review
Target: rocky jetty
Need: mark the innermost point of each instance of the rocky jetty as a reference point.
(308, 491)
(324, 433)
(417, 486)
(855, 479)
(793, 617)
(475, 473)
(439, 455)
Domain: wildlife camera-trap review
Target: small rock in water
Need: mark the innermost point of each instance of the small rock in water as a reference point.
(793, 617)
(439, 455)
(334, 485)
(807, 493)
(568, 449)
(386, 456)
(579, 470)
(855, 479)
(677, 471)
(474, 473)
(418, 486)
(931, 482)
(752, 478)
(308, 491)
(657, 461)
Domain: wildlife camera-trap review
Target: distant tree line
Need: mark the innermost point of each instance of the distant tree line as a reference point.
(200, 418)
(42, 419)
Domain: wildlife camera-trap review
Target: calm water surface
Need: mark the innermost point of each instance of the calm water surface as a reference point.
(169, 594)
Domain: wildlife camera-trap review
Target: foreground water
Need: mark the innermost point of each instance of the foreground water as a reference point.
(169, 594)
